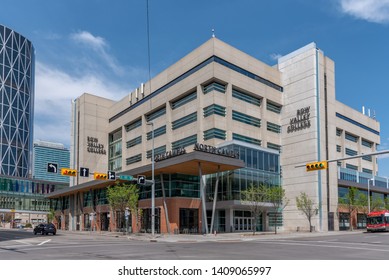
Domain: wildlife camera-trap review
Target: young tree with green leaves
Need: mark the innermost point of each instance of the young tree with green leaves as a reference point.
(50, 216)
(121, 195)
(308, 207)
(275, 195)
(255, 197)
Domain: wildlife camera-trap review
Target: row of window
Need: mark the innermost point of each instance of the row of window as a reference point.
(354, 138)
(191, 140)
(212, 86)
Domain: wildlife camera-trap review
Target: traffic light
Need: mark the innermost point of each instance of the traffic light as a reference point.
(68, 172)
(318, 165)
(100, 176)
(141, 179)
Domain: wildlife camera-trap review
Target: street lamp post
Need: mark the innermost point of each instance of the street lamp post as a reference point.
(368, 194)
(153, 183)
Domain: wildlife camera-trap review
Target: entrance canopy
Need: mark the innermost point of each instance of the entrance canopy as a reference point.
(189, 163)
(186, 163)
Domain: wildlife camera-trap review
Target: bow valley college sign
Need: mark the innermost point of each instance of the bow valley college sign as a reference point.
(301, 120)
(93, 146)
(198, 147)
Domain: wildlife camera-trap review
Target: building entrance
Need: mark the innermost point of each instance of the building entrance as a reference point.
(243, 221)
(243, 224)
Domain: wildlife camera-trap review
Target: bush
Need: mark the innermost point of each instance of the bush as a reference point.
(28, 225)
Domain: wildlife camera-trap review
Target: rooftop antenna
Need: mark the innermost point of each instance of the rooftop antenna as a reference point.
(213, 33)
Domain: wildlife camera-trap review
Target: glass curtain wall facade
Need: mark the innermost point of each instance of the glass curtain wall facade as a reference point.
(46, 153)
(16, 103)
(26, 195)
(262, 168)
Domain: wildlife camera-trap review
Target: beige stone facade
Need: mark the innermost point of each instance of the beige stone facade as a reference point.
(218, 94)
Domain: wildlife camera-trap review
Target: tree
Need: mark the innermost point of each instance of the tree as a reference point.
(386, 201)
(350, 201)
(307, 206)
(255, 197)
(120, 196)
(275, 195)
(50, 216)
(377, 203)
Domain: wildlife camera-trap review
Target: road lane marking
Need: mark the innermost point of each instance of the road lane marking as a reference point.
(23, 242)
(44, 242)
(340, 246)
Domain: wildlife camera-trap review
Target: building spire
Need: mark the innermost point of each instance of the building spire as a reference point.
(213, 33)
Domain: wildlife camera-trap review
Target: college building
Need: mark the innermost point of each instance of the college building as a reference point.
(218, 121)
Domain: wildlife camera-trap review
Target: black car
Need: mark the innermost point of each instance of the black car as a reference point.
(45, 229)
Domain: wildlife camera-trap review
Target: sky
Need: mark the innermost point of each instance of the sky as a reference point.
(100, 47)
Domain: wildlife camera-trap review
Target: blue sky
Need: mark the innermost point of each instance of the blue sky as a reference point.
(100, 46)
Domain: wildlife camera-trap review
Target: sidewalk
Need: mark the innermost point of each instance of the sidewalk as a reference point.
(221, 237)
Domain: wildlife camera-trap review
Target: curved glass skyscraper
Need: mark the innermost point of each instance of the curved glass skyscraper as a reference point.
(16, 102)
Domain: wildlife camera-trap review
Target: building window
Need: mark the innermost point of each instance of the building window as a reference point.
(240, 117)
(183, 100)
(157, 151)
(273, 127)
(134, 142)
(246, 139)
(215, 133)
(338, 148)
(214, 109)
(351, 152)
(351, 137)
(274, 146)
(115, 151)
(352, 167)
(246, 97)
(273, 107)
(134, 159)
(133, 125)
(367, 158)
(157, 132)
(339, 132)
(368, 171)
(184, 121)
(182, 143)
(275, 219)
(214, 86)
(156, 114)
(367, 143)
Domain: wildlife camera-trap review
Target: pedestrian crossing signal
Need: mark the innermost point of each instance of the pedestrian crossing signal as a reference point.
(318, 165)
(100, 176)
(68, 172)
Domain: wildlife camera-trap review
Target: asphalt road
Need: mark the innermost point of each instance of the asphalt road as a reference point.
(23, 245)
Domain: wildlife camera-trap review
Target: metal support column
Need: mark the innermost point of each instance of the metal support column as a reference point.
(215, 198)
(164, 205)
(202, 194)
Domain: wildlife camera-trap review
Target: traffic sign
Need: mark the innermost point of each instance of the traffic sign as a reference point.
(84, 172)
(126, 177)
(111, 175)
(141, 179)
(52, 167)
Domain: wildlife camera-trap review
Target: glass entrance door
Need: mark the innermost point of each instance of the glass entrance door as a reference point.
(243, 224)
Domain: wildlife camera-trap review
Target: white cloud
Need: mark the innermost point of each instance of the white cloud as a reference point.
(54, 91)
(369, 10)
(100, 47)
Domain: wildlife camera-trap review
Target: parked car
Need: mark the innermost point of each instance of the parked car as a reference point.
(45, 229)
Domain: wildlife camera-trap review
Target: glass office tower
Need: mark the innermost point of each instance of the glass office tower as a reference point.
(16, 103)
